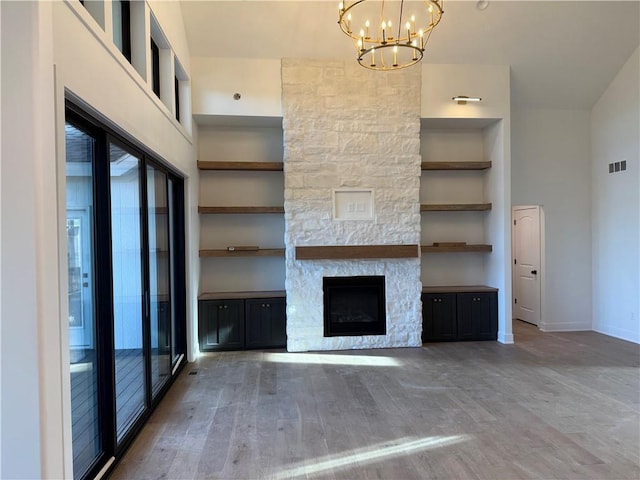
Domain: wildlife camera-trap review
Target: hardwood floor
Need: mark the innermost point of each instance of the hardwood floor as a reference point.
(552, 406)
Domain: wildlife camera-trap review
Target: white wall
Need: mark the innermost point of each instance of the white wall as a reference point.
(27, 155)
(441, 82)
(615, 131)
(48, 47)
(216, 80)
(550, 167)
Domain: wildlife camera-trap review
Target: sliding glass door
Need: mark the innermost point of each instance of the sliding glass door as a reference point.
(85, 427)
(126, 260)
(126, 287)
(160, 312)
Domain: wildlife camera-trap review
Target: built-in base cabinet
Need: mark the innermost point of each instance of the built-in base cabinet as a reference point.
(237, 324)
(221, 324)
(459, 313)
(265, 323)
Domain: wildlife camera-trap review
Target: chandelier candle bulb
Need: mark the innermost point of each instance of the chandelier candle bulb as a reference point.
(408, 32)
(395, 56)
(373, 57)
(366, 25)
(384, 40)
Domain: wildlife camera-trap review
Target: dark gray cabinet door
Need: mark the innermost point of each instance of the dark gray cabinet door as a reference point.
(221, 324)
(477, 316)
(439, 317)
(265, 323)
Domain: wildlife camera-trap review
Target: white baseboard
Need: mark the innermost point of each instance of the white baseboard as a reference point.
(506, 339)
(621, 333)
(565, 327)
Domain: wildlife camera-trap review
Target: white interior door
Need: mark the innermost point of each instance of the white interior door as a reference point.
(80, 278)
(526, 264)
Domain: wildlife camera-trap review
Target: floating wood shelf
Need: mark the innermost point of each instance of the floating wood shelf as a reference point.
(455, 207)
(355, 252)
(233, 210)
(456, 165)
(241, 295)
(255, 166)
(262, 252)
(455, 248)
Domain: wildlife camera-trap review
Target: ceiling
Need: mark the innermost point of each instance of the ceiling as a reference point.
(562, 54)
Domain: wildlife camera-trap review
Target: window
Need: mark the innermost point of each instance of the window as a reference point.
(155, 68)
(122, 26)
(181, 94)
(95, 9)
(176, 88)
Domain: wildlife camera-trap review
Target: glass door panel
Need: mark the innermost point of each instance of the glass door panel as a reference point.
(85, 427)
(159, 277)
(175, 234)
(126, 257)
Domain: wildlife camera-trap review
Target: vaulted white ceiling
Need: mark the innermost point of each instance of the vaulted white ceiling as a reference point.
(562, 54)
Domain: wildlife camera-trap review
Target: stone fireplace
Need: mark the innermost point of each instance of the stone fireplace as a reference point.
(352, 173)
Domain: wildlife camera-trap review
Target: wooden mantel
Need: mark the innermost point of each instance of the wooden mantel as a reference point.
(356, 252)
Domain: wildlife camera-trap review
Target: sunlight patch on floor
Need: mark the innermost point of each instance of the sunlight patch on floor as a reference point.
(367, 455)
(332, 359)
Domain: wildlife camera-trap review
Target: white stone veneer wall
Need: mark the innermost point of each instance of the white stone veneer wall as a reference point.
(346, 126)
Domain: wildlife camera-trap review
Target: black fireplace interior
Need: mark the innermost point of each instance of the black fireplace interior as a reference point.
(354, 306)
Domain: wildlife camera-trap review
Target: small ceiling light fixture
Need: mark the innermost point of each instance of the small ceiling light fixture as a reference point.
(482, 4)
(463, 99)
(385, 43)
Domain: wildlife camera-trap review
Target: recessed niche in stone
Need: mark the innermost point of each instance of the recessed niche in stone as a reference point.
(353, 204)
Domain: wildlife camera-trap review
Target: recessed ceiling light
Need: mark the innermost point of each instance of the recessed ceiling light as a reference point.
(482, 4)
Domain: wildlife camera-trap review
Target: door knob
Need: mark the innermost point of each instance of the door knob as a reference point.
(534, 272)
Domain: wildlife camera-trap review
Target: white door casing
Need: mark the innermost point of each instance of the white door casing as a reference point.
(526, 264)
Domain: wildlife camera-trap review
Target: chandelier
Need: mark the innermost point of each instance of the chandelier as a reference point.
(386, 36)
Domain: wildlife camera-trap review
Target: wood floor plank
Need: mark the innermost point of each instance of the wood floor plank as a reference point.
(552, 406)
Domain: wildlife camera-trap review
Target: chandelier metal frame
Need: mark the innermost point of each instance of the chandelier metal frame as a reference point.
(384, 47)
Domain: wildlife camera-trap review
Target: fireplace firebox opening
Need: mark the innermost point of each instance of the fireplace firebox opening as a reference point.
(354, 306)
